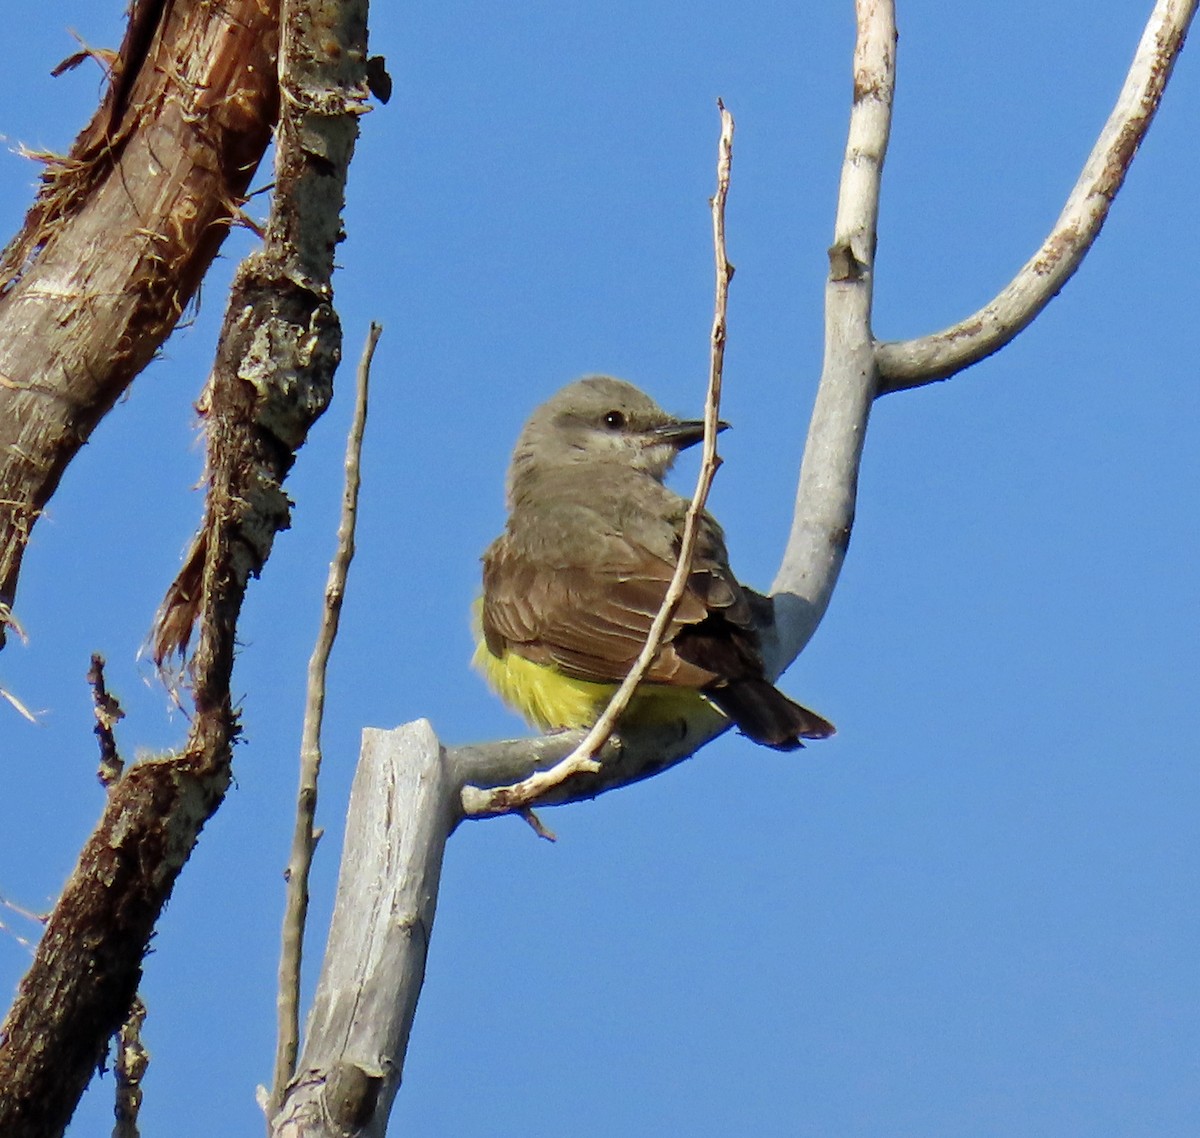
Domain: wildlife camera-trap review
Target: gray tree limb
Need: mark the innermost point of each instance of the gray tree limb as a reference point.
(404, 798)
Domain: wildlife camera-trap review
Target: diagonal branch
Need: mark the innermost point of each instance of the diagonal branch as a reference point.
(123, 229)
(911, 363)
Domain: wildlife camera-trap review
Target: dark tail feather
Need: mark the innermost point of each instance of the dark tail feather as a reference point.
(766, 715)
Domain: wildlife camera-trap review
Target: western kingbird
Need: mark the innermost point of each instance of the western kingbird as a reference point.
(571, 587)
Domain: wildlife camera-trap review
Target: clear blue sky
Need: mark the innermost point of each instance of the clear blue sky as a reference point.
(973, 913)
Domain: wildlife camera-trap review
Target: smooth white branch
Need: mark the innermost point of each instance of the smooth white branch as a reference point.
(911, 363)
(824, 511)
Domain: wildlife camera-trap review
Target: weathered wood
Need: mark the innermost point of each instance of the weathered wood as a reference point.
(823, 518)
(272, 378)
(403, 806)
(88, 963)
(828, 486)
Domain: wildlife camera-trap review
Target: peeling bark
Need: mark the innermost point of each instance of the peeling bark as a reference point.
(123, 229)
(273, 377)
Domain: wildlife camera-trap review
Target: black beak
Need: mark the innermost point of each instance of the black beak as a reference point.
(683, 433)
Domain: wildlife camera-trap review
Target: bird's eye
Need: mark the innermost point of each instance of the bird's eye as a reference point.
(614, 420)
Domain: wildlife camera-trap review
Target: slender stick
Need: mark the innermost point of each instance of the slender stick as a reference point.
(17, 705)
(9, 620)
(129, 1069)
(912, 363)
(28, 914)
(503, 799)
(108, 713)
(304, 837)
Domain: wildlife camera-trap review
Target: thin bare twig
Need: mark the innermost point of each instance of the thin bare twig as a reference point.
(108, 714)
(503, 799)
(129, 1070)
(9, 620)
(912, 363)
(537, 825)
(304, 837)
(23, 941)
(38, 919)
(17, 705)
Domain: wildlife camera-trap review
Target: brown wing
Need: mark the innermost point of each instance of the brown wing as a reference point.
(591, 621)
(590, 624)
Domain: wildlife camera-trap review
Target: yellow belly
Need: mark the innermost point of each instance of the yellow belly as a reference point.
(550, 700)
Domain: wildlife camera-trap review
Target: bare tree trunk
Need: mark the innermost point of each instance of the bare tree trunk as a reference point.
(405, 796)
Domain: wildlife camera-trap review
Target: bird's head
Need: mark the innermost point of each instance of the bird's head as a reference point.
(601, 420)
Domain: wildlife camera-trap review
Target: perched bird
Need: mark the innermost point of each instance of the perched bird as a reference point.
(571, 587)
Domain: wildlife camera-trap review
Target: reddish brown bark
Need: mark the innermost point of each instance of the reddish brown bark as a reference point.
(123, 229)
(272, 377)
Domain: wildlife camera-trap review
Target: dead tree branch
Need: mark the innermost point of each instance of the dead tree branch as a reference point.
(349, 1073)
(108, 714)
(408, 797)
(129, 1069)
(272, 378)
(121, 233)
(405, 797)
(304, 836)
(912, 363)
(582, 760)
(828, 487)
